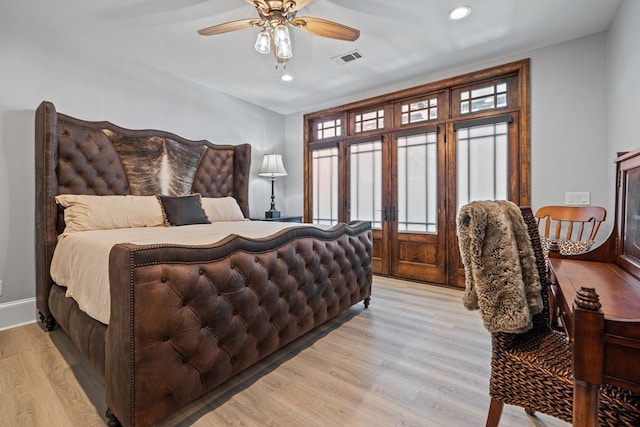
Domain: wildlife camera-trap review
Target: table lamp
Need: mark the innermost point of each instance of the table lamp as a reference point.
(272, 167)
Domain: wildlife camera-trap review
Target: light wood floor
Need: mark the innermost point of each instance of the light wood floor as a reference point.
(416, 357)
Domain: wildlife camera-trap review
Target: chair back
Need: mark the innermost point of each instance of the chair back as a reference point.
(542, 320)
(576, 223)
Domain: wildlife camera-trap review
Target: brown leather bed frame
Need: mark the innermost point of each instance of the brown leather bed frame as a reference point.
(231, 303)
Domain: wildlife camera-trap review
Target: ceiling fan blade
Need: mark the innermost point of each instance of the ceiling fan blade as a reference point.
(324, 28)
(262, 3)
(228, 26)
(298, 4)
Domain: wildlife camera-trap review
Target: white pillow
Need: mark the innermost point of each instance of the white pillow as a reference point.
(89, 212)
(222, 209)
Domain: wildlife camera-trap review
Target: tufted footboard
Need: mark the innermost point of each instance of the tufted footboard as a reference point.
(185, 319)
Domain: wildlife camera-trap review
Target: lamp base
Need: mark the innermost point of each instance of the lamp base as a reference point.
(272, 214)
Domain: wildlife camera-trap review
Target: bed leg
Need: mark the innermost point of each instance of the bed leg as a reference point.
(112, 421)
(367, 301)
(49, 322)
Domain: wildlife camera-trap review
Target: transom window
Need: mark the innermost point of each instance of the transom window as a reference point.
(484, 98)
(329, 129)
(419, 111)
(371, 120)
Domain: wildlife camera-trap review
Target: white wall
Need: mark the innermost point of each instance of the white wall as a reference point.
(84, 82)
(569, 122)
(568, 139)
(623, 77)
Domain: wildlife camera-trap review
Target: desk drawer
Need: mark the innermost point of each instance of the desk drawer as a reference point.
(564, 310)
(565, 317)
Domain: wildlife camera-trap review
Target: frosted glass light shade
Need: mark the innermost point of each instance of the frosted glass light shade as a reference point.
(263, 42)
(284, 52)
(281, 36)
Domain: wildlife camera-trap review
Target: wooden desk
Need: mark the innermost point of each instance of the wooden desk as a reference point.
(605, 340)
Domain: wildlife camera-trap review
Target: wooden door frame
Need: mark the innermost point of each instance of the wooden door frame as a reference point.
(516, 71)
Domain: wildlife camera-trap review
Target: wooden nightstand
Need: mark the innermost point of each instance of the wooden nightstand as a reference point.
(281, 219)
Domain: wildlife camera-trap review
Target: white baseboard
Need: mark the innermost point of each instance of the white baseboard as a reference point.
(17, 313)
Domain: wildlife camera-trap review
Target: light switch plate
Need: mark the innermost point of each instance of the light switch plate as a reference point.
(577, 198)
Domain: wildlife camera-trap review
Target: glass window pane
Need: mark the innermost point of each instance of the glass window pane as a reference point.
(369, 125)
(479, 93)
(482, 163)
(482, 104)
(325, 186)
(417, 183)
(366, 182)
(502, 100)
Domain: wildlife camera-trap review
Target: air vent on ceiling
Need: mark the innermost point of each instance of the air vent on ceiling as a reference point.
(347, 57)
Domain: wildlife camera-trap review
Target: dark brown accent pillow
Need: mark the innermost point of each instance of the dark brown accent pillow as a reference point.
(182, 210)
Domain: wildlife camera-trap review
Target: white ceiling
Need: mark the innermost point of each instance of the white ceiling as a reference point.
(399, 40)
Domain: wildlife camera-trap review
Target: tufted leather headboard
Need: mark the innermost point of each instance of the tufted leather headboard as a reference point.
(81, 157)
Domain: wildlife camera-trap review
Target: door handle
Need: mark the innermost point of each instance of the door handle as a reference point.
(385, 216)
(393, 213)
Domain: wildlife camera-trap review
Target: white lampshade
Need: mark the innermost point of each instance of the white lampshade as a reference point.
(272, 166)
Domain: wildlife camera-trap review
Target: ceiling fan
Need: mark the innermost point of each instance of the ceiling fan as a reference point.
(274, 17)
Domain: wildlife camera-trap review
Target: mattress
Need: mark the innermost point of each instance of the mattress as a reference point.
(81, 260)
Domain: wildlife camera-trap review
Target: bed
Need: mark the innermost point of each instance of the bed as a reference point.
(182, 318)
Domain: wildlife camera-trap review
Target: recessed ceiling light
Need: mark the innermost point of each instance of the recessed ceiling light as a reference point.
(459, 13)
(286, 77)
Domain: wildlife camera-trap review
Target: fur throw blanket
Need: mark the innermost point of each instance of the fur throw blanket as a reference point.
(501, 279)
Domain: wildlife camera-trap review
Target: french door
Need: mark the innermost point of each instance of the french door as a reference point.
(395, 181)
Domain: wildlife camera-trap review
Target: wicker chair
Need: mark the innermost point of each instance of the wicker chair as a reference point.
(533, 369)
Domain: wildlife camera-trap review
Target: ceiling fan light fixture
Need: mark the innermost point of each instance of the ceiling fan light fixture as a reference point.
(273, 21)
(284, 52)
(263, 42)
(281, 35)
(459, 12)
